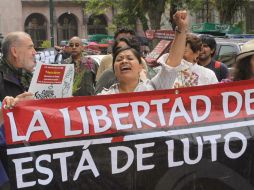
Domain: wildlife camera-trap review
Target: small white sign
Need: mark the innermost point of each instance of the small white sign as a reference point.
(52, 81)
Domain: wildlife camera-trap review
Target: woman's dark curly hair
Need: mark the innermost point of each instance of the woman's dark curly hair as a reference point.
(243, 70)
(132, 44)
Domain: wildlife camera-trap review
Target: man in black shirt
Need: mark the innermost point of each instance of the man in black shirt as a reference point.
(206, 58)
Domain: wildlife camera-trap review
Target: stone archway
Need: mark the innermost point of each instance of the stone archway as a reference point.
(67, 27)
(97, 24)
(36, 26)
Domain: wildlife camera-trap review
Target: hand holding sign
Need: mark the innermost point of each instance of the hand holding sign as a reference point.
(9, 101)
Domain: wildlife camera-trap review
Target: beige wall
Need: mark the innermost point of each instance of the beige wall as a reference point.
(10, 16)
(13, 14)
(77, 11)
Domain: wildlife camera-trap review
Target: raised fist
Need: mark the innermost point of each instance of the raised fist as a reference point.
(181, 20)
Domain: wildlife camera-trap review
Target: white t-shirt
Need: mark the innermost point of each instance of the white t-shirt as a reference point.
(163, 80)
(189, 74)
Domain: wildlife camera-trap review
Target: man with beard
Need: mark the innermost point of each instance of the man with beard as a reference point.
(85, 69)
(16, 67)
(206, 58)
(17, 64)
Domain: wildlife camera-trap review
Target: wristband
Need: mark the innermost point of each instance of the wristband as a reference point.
(178, 31)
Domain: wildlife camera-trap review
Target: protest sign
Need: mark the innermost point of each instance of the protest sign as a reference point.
(190, 138)
(160, 48)
(52, 81)
(160, 34)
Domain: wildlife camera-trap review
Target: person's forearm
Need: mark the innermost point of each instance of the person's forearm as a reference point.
(177, 48)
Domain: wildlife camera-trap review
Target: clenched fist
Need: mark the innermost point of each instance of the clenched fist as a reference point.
(181, 20)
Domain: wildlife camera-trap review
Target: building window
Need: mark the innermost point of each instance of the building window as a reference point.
(251, 22)
(36, 26)
(97, 24)
(206, 13)
(67, 27)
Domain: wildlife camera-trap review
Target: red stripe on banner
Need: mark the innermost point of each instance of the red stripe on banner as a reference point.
(51, 119)
(117, 139)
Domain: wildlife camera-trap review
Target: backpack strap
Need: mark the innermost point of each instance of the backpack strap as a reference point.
(217, 64)
(2, 90)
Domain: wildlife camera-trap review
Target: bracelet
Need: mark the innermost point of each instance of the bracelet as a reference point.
(178, 31)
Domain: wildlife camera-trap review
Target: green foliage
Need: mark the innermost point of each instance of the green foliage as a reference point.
(100, 6)
(228, 8)
(191, 5)
(46, 44)
(77, 81)
(154, 9)
(127, 11)
(111, 28)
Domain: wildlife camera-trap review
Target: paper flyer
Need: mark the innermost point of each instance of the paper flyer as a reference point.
(52, 81)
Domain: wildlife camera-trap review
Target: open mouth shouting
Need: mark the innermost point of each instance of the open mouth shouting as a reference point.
(125, 68)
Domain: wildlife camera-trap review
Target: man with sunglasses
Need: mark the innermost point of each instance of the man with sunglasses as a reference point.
(85, 68)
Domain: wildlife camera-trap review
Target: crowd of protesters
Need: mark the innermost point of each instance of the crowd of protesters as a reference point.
(189, 63)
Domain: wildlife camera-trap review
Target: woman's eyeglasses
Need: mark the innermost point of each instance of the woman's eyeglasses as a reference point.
(74, 45)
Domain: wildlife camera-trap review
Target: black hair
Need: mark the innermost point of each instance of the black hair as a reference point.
(134, 51)
(131, 42)
(194, 41)
(124, 31)
(243, 70)
(209, 40)
(119, 50)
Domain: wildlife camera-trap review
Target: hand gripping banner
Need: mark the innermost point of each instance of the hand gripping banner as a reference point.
(182, 139)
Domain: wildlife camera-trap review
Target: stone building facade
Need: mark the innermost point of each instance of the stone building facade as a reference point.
(33, 16)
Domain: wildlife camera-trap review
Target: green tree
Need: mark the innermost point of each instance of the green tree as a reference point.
(46, 44)
(98, 6)
(228, 8)
(192, 5)
(154, 10)
(128, 11)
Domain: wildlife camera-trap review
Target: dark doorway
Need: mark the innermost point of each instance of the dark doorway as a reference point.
(67, 27)
(36, 26)
(97, 24)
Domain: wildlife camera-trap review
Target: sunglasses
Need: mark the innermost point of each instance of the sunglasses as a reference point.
(74, 45)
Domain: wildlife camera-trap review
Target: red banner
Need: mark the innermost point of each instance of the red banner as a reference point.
(170, 137)
(44, 120)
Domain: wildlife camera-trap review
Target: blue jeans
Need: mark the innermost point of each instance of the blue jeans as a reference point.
(3, 176)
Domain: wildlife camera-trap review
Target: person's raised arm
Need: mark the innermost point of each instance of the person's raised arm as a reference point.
(178, 44)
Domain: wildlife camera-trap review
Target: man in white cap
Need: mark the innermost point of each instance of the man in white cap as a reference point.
(244, 68)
